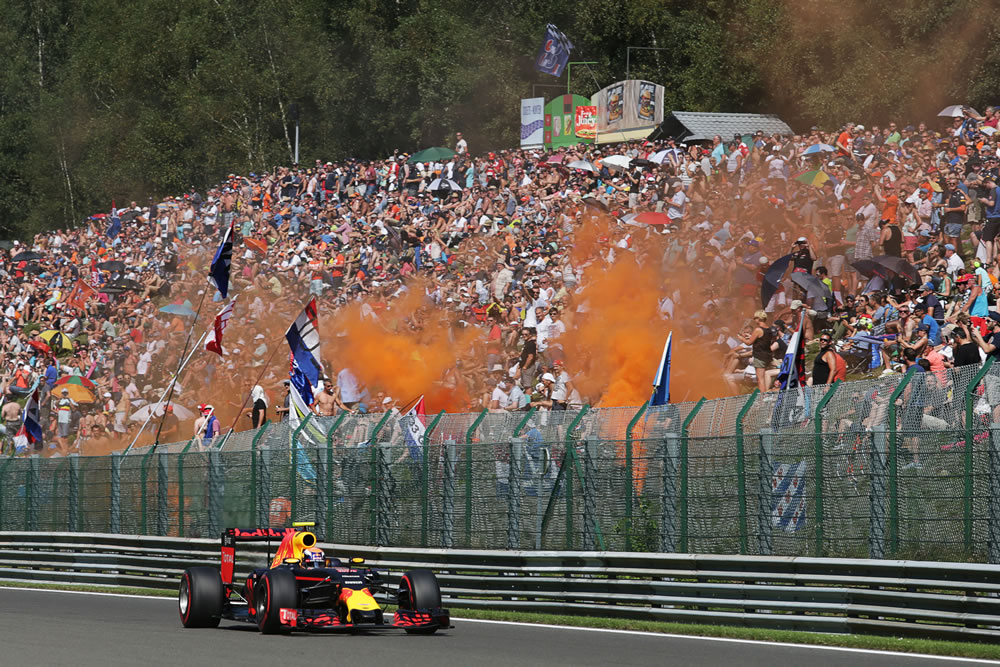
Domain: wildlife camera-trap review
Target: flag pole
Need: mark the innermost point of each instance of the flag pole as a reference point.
(163, 395)
(263, 369)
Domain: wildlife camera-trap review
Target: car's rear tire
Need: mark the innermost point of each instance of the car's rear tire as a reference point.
(419, 589)
(275, 590)
(200, 597)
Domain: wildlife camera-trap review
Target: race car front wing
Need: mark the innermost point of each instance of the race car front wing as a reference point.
(402, 619)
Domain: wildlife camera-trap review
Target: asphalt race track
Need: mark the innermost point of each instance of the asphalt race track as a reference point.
(43, 628)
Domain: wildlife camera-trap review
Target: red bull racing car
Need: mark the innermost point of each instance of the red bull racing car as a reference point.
(302, 589)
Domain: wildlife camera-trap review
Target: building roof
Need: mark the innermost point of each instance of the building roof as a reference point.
(702, 126)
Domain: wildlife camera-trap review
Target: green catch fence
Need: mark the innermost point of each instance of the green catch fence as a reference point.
(904, 466)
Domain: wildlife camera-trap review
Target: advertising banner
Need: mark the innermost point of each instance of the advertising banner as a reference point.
(586, 121)
(629, 105)
(532, 122)
(561, 117)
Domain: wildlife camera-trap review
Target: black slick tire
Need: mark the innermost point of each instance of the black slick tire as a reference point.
(200, 597)
(277, 589)
(419, 589)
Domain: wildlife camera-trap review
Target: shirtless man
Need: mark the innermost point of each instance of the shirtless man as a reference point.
(327, 401)
(11, 416)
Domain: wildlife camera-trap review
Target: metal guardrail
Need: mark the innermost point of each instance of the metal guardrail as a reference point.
(915, 598)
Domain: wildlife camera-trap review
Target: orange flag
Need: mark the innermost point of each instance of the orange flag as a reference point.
(260, 245)
(81, 294)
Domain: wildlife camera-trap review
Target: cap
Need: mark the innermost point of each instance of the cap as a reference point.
(549, 377)
(801, 239)
(387, 399)
(497, 368)
(965, 278)
(107, 394)
(928, 286)
(170, 408)
(923, 327)
(795, 305)
(65, 391)
(948, 246)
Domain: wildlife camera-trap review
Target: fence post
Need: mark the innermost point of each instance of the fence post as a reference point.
(741, 471)
(116, 493)
(293, 473)
(571, 461)
(216, 490)
(514, 493)
(374, 471)
(969, 448)
(180, 488)
(894, 463)
(328, 523)
(994, 496)
(425, 479)
(591, 525)
(162, 481)
(630, 476)
(818, 421)
(684, 473)
(263, 502)
(3, 485)
(668, 494)
(876, 493)
(448, 496)
(143, 476)
(764, 493)
(74, 492)
(468, 477)
(253, 470)
(31, 493)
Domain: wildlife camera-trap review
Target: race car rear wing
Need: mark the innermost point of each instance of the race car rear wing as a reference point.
(254, 535)
(233, 535)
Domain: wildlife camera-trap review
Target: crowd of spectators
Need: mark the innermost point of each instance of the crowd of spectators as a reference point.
(489, 238)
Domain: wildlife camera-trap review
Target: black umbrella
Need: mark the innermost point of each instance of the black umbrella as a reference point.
(772, 279)
(646, 164)
(34, 268)
(596, 203)
(112, 289)
(113, 265)
(870, 269)
(814, 288)
(126, 284)
(900, 267)
(876, 284)
(27, 256)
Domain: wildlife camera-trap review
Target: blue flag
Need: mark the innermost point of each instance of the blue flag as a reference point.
(219, 271)
(553, 54)
(31, 426)
(793, 367)
(115, 228)
(661, 384)
(303, 340)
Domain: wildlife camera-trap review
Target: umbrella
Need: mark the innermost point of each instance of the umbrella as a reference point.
(40, 346)
(659, 156)
(183, 309)
(558, 158)
(772, 278)
(644, 164)
(900, 267)
(78, 393)
(819, 148)
(648, 218)
(113, 265)
(956, 111)
(584, 165)
(815, 178)
(34, 268)
(444, 185)
(617, 161)
(876, 284)
(27, 256)
(57, 340)
(813, 286)
(987, 130)
(112, 289)
(125, 284)
(870, 269)
(143, 413)
(78, 380)
(435, 154)
(596, 203)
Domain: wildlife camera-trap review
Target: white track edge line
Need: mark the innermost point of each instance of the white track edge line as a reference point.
(640, 633)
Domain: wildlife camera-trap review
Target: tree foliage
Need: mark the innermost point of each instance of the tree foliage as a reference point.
(102, 100)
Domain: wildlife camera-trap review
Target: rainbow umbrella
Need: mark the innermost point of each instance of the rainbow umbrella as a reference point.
(57, 340)
(815, 178)
(80, 388)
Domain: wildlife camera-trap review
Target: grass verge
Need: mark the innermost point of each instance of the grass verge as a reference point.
(870, 642)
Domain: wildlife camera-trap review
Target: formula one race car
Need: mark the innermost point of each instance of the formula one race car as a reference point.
(304, 590)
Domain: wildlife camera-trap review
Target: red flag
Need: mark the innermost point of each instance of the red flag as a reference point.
(214, 341)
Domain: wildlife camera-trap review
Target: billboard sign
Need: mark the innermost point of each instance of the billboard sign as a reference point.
(532, 122)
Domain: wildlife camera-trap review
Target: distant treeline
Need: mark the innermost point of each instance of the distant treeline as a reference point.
(102, 99)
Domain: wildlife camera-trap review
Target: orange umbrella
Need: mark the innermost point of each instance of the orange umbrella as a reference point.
(260, 245)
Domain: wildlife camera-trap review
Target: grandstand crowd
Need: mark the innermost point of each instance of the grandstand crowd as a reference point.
(492, 240)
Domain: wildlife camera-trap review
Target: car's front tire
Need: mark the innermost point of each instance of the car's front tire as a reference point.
(200, 597)
(419, 589)
(277, 589)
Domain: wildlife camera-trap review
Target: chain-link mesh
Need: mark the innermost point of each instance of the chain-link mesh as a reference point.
(876, 468)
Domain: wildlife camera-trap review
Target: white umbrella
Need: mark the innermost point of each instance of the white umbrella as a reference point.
(617, 161)
(988, 130)
(956, 111)
(142, 414)
(658, 157)
(444, 184)
(585, 165)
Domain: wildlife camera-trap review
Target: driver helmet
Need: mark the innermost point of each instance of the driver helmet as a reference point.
(313, 557)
